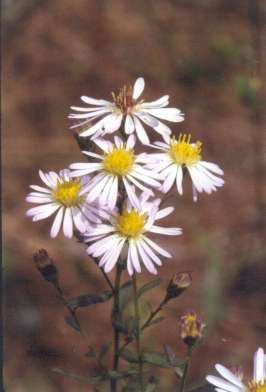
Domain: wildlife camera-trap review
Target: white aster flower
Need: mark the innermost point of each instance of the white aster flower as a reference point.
(64, 196)
(126, 106)
(118, 162)
(230, 382)
(180, 154)
(127, 232)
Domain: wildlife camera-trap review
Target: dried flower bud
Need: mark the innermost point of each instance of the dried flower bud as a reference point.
(179, 283)
(46, 266)
(191, 327)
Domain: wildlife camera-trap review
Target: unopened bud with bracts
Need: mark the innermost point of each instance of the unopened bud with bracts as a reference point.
(191, 327)
(179, 283)
(46, 266)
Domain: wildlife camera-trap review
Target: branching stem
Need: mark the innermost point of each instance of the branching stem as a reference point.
(146, 324)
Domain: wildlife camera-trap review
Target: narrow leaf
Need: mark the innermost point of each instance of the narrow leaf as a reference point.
(72, 323)
(160, 359)
(87, 380)
(129, 356)
(149, 286)
(104, 349)
(89, 299)
(151, 387)
(127, 327)
(125, 294)
(170, 354)
(122, 374)
(155, 358)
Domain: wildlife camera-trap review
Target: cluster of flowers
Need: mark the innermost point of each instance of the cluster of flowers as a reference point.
(110, 199)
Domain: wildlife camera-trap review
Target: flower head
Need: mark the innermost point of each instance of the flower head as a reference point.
(127, 230)
(179, 283)
(117, 163)
(191, 327)
(180, 154)
(126, 106)
(231, 382)
(65, 196)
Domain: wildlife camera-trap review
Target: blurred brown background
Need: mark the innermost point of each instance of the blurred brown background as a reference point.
(209, 55)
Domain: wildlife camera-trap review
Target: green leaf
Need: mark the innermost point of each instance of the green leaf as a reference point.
(149, 286)
(72, 323)
(179, 371)
(125, 295)
(170, 354)
(156, 358)
(150, 387)
(87, 380)
(104, 349)
(160, 359)
(122, 374)
(129, 356)
(89, 299)
(127, 327)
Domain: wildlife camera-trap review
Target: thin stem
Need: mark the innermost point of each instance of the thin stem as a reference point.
(71, 311)
(108, 280)
(153, 314)
(184, 377)
(146, 324)
(115, 316)
(138, 330)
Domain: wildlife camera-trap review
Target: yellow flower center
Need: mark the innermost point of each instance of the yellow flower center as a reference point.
(67, 193)
(119, 161)
(130, 223)
(254, 386)
(124, 100)
(183, 152)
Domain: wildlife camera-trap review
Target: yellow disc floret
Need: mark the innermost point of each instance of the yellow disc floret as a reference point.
(130, 223)
(67, 193)
(257, 386)
(183, 152)
(119, 161)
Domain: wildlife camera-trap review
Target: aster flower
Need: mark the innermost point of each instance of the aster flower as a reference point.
(117, 162)
(127, 106)
(191, 327)
(63, 196)
(230, 382)
(127, 232)
(178, 155)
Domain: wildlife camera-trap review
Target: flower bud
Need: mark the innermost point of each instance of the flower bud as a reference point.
(179, 283)
(191, 327)
(46, 266)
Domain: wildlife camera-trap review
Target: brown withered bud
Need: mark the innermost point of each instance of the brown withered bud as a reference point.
(46, 266)
(191, 327)
(179, 283)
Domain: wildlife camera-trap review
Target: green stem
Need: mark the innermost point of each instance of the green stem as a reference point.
(138, 330)
(184, 377)
(146, 324)
(115, 316)
(153, 314)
